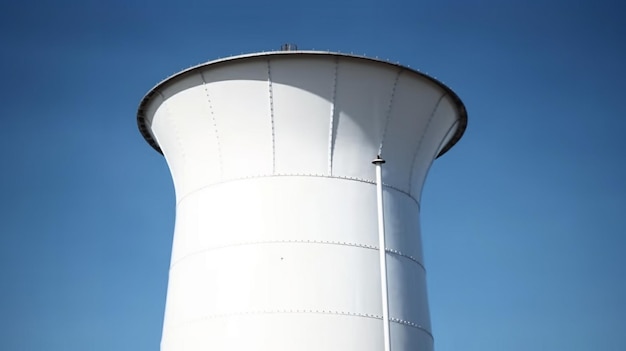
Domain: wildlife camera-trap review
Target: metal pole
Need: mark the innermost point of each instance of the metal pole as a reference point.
(378, 162)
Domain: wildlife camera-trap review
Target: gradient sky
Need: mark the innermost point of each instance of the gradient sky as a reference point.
(523, 219)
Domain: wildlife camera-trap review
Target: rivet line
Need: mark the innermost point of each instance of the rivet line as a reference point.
(215, 130)
(356, 179)
(271, 101)
(419, 143)
(174, 126)
(332, 128)
(296, 241)
(305, 311)
(388, 112)
(411, 324)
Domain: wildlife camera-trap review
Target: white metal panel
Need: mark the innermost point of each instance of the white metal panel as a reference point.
(445, 115)
(406, 337)
(163, 128)
(362, 102)
(194, 125)
(402, 225)
(240, 100)
(275, 331)
(275, 277)
(302, 106)
(451, 132)
(407, 291)
(271, 209)
(413, 103)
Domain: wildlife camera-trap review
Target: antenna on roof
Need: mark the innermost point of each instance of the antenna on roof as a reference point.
(289, 47)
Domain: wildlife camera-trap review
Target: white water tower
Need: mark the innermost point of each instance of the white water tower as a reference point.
(276, 245)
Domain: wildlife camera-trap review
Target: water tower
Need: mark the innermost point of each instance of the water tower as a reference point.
(279, 224)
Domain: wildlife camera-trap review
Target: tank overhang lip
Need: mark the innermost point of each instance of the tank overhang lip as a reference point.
(144, 128)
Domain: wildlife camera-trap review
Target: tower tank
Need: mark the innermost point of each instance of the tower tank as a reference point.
(276, 242)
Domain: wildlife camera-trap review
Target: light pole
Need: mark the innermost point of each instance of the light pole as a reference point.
(378, 162)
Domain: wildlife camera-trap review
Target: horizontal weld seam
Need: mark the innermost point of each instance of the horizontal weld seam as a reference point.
(321, 242)
(412, 324)
(304, 311)
(409, 257)
(361, 180)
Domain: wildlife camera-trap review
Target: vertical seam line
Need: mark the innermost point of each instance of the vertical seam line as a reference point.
(432, 159)
(215, 130)
(388, 113)
(331, 134)
(176, 131)
(361, 180)
(419, 144)
(445, 136)
(271, 97)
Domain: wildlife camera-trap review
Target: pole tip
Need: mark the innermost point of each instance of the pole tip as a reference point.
(378, 160)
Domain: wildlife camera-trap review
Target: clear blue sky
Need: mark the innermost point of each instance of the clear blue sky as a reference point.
(524, 220)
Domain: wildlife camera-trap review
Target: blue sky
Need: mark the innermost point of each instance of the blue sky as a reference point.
(523, 220)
